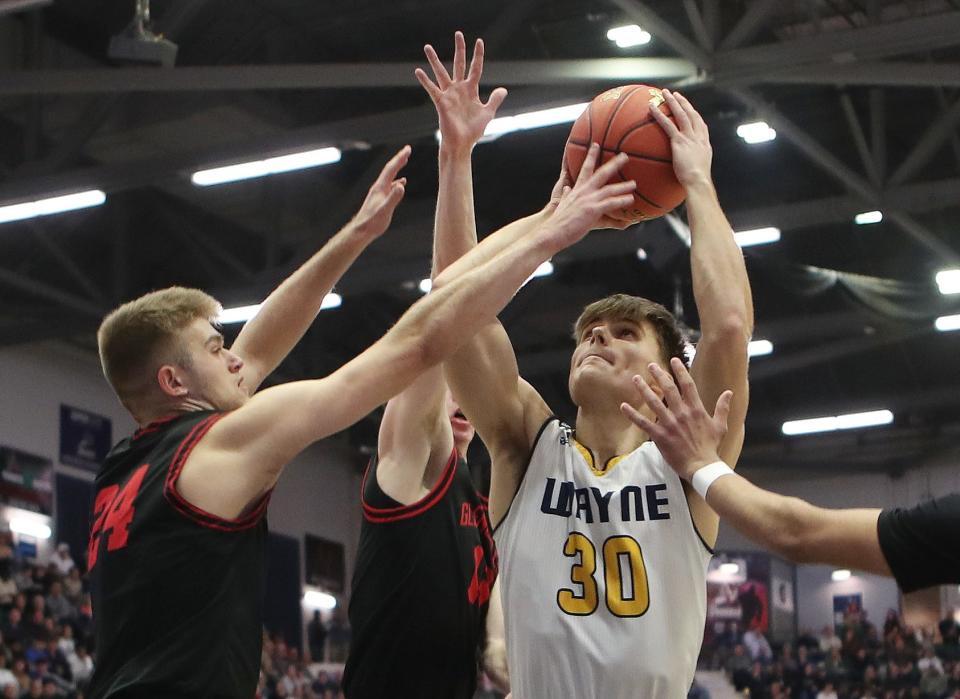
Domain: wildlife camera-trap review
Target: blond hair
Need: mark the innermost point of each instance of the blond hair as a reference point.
(637, 310)
(143, 332)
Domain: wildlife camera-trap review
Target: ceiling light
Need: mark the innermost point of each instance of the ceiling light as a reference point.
(241, 314)
(628, 35)
(757, 236)
(759, 348)
(729, 568)
(838, 422)
(641, 254)
(868, 217)
(269, 166)
(949, 281)
(756, 132)
(30, 527)
(530, 120)
(425, 285)
(840, 575)
(945, 323)
(315, 599)
(51, 205)
(545, 269)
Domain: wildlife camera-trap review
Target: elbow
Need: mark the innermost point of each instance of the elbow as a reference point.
(733, 329)
(791, 535)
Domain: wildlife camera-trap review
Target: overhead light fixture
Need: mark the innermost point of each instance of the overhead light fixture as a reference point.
(268, 166)
(840, 575)
(868, 217)
(241, 314)
(425, 285)
(51, 205)
(949, 281)
(530, 120)
(757, 236)
(315, 599)
(838, 422)
(759, 348)
(10, 6)
(628, 35)
(641, 254)
(30, 527)
(756, 132)
(945, 323)
(545, 269)
(730, 568)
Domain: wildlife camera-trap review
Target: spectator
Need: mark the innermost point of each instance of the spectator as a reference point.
(929, 660)
(81, 665)
(57, 605)
(828, 692)
(73, 587)
(8, 586)
(62, 560)
(12, 628)
(757, 646)
(738, 667)
(829, 640)
(933, 683)
(7, 677)
(316, 637)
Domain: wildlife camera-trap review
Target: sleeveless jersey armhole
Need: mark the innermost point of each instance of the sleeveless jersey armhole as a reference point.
(397, 512)
(526, 467)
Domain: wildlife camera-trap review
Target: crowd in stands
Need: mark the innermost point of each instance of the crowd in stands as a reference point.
(856, 661)
(46, 626)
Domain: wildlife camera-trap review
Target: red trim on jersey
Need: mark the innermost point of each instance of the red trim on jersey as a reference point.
(188, 509)
(380, 515)
(154, 426)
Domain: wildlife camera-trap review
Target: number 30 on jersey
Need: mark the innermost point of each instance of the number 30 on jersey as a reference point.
(624, 576)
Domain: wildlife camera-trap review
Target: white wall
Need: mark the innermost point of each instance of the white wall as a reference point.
(815, 591)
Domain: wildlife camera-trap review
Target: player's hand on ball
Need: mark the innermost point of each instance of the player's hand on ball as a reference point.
(686, 434)
(591, 198)
(557, 194)
(385, 194)
(689, 140)
(463, 116)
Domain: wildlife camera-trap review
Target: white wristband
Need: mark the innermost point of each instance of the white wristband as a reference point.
(704, 477)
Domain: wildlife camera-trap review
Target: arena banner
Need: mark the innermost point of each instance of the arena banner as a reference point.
(26, 480)
(85, 438)
(738, 591)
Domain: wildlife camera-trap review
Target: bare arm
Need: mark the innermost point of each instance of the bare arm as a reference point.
(495, 652)
(721, 288)
(415, 436)
(689, 437)
(243, 454)
(290, 309)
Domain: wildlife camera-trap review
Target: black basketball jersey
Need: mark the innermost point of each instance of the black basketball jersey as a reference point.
(177, 592)
(421, 588)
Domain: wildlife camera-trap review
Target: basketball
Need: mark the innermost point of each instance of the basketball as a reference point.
(621, 122)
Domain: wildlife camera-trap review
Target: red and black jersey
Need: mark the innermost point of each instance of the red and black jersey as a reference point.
(177, 592)
(421, 588)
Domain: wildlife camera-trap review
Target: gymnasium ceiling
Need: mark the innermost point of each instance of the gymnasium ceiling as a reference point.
(863, 95)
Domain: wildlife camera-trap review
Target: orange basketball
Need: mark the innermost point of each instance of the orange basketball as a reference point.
(621, 122)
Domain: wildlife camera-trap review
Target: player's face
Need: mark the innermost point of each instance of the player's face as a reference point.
(213, 376)
(462, 429)
(608, 354)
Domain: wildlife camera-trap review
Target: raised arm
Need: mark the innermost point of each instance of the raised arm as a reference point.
(290, 309)
(721, 288)
(415, 435)
(689, 438)
(243, 454)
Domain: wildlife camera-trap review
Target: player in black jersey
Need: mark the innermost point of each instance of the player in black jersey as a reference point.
(917, 546)
(177, 538)
(418, 631)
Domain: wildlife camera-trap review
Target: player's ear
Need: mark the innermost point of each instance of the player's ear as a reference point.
(170, 381)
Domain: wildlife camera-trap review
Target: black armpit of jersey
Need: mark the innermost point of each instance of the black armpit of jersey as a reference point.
(922, 543)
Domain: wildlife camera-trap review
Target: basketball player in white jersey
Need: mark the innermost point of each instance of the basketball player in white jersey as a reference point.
(603, 548)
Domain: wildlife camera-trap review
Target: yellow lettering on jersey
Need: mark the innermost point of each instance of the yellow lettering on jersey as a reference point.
(581, 574)
(614, 550)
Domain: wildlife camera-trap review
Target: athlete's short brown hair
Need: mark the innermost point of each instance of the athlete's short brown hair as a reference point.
(141, 332)
(637, 310)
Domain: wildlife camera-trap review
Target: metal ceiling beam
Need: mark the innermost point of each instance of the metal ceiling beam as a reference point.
(666, 33)
(51, 293)
(698, 24)
(822, 157)
(934, 137)
(912, 74)
(322, 76)
(859, 139)
(749, 24)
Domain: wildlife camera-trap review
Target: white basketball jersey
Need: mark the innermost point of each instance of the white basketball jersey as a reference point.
(603, 576)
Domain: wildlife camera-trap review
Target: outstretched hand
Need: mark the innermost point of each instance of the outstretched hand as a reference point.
(689, 139)
(463, 116)
(591, 198)
(686, 434)
(385, 194)
(556, 194)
